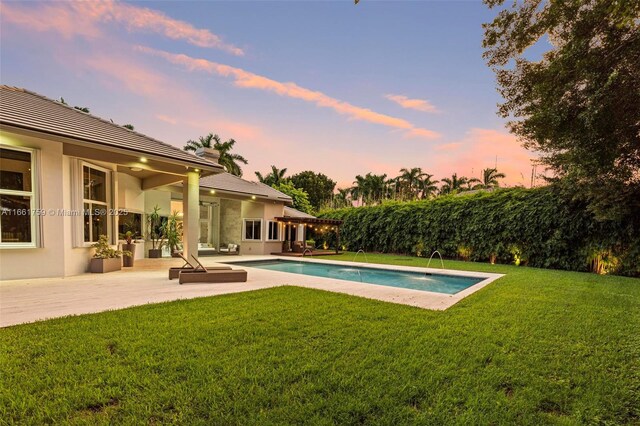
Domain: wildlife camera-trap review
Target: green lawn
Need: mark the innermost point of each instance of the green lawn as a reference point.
(534, 347)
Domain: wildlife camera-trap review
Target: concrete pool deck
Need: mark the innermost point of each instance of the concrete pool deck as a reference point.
(29, 300)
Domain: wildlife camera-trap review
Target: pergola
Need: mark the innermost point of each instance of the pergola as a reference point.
(314, 221)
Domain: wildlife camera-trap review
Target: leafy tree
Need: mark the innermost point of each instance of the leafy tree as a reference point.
(128, 126)
(579, 106)
(274, 178)
(299, 196)
(317, 185)
(227, 159)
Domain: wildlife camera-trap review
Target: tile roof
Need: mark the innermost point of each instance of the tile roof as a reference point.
(227, 182)
(291, 212)
(28, 110)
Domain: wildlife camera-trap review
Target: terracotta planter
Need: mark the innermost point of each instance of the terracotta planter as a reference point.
(155, 253)
(127, 261)
(100, 266)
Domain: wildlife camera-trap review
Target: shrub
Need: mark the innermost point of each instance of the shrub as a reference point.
(536, 227)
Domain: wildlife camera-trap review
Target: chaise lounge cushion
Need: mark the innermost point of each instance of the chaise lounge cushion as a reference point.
(213, 276)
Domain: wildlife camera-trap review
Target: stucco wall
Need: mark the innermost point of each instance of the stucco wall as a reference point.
(48, 260)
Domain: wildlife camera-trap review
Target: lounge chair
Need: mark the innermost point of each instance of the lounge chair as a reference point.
(200, 274)
(188, 267)
(230, 249)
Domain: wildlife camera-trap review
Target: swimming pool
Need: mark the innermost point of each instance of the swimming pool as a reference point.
(438, 283)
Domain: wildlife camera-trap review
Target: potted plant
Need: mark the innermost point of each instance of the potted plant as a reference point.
(173, 232)
(154, 222)
(127, 260)
(106, 258)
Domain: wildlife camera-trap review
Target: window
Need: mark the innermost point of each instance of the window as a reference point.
(95, 187)
(253, 229)
(130, 222)
(273, 231)
(17, 197)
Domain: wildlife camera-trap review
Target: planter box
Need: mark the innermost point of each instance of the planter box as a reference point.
(155, 253)
(100, 266)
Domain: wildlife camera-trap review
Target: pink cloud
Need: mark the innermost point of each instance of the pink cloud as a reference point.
(59, 17)
(81, 18)
(483, 148)
(417, 104)
(166, 119)
(246, 79)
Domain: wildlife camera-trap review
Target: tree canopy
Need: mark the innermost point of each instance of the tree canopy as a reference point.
(579, 105)
(317, 185)
(299, 196)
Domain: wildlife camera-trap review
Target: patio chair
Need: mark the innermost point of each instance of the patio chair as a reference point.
(174, 272)
(200, 274)
(230, 249)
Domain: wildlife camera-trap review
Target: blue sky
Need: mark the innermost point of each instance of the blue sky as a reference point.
(302, 85)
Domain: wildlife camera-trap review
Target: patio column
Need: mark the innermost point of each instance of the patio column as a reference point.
(191, 213)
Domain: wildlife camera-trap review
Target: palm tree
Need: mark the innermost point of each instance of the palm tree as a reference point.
(490, 178)
(471, 182)
(274, 178)
(360, 189)
(455, 184)
(428, 186)
(227, 159)
(342, 198)
(377, 187)
(410, 180)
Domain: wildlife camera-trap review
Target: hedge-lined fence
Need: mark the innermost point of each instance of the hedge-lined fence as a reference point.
(535, 227)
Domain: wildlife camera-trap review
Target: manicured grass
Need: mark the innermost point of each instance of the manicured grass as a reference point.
(534, 347)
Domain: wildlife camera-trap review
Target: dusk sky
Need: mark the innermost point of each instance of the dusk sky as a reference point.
(324, 86)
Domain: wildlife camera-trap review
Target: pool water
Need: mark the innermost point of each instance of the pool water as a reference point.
(438, 283)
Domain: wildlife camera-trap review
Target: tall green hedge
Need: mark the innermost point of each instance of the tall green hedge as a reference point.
(537, 227)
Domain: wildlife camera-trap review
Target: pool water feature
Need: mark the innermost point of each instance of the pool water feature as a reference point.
(438, 283)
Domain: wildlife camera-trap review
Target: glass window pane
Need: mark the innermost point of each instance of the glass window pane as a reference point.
(257, 230)
(15, 170)
(99, 221)
(86, 184)
(15, 219)
(97, 185)
(248, 231)
(87, 222)
(130, 222)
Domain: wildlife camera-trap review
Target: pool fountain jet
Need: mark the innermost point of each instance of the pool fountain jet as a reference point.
(307, 250)
(441, 262)
(364, 254)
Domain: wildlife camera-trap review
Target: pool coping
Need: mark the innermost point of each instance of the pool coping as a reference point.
(418, 298)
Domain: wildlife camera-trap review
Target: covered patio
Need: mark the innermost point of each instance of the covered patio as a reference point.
(306, 223)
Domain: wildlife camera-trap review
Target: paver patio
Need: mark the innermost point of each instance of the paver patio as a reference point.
(23, 301)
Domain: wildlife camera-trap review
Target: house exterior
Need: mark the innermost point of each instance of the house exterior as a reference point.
(67, 177)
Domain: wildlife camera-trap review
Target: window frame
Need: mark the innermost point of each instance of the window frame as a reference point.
(268, 229)
(106, 205)
(34, 221)
(244, 229)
